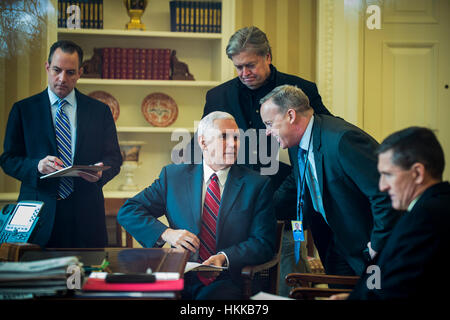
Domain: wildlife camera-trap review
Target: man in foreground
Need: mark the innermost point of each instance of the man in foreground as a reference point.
(411, 163)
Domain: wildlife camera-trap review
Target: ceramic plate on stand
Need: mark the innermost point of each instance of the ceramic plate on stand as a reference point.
(108, 99)
(159, 109)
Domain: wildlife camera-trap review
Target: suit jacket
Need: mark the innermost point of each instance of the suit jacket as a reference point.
(356, 211)
(225, 97)
(415, 252)
(246, 225)
(30, 137)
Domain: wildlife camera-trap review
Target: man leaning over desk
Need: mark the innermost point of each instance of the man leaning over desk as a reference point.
(218, 210)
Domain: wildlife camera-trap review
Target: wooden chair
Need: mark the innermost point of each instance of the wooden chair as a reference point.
(112, 206)
(303, 285)
(268, 271)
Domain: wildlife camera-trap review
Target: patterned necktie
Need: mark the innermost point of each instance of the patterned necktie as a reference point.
(209, 221)
(64, 144)
(301, 163)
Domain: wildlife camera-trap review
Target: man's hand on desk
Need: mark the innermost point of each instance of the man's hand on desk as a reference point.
(181, 239)
(92, 176)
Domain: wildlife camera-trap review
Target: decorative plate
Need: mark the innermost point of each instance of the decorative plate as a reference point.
(159, 109)
(108, 99)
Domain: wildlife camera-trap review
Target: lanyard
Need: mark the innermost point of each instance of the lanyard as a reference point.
(301, 184)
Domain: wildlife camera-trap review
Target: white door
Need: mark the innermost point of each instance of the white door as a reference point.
(406, 69)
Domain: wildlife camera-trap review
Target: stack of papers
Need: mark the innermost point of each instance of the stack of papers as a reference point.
(25, 280)
(195, 266)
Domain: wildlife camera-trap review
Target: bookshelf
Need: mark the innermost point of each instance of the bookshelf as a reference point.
(204, 53)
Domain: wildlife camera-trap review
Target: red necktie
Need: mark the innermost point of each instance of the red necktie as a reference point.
(209, 221)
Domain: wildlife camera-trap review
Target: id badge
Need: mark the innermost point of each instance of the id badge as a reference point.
(297, 230)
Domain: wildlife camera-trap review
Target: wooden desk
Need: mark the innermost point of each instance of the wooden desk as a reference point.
(136, 260)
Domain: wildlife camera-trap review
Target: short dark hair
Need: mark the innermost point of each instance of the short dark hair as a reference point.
(415, 144)
(68, 47)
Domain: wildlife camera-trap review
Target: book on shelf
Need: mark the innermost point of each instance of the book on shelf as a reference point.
(90, 13)
(195, 16)
(136, 63)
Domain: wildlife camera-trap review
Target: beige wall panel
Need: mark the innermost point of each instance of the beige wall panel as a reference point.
(290, 26)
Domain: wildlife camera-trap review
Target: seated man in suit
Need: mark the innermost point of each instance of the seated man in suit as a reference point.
(411, 163)
(218, 210)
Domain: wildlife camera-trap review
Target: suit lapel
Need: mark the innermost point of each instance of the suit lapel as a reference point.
(193, 196)
(230, 193)
(318, 154)
(83, 121)
(233, 97)
(46, 121)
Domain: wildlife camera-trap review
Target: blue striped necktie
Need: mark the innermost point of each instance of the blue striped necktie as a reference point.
(64, 144)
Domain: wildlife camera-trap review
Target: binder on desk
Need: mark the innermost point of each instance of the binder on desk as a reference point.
(96, 286)
(93, 284)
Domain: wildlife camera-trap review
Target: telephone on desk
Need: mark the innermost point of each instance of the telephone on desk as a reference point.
(18, 221)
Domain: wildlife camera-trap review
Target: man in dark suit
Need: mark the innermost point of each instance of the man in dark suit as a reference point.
(349, 217)
(251, 54)
(54, 129)
(243, 230)
(411, 163)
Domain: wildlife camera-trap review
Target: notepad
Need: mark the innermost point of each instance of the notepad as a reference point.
(73, 171)
(195, 266)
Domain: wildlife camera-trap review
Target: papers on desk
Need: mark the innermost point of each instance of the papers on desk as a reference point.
(195, 266)
(73, 171)
(268, 296)
(25, 280)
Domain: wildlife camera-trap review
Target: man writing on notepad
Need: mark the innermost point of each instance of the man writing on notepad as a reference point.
(54, 129)
(218, 210)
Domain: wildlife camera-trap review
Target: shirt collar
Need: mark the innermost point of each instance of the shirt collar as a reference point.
(221, 174)
(70, 98)
(304, 142)
(411, 205)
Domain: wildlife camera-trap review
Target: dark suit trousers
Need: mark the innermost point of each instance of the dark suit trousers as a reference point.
(332, 257)
(65, 230)
(223, 288)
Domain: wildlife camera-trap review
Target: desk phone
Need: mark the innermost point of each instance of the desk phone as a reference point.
(18, 221)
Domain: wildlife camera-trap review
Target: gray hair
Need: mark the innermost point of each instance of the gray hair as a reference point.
(288, 97)
(251, 39)
(207, 122)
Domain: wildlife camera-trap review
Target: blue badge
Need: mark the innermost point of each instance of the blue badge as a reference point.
(297, 230)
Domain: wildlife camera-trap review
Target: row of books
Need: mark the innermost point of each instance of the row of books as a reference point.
(84, 14)
(136, 63)
(195, 16)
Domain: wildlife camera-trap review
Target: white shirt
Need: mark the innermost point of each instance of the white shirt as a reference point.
(71, 111)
